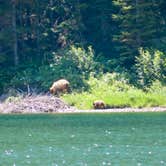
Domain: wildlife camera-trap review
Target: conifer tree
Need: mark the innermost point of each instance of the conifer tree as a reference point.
(139, 23)
(99, 26)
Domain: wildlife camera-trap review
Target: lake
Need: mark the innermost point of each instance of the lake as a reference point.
(118, 139)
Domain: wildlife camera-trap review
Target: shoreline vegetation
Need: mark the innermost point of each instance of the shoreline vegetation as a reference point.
(105, 57)
(117, 92)
(113, 89)
(50, 104)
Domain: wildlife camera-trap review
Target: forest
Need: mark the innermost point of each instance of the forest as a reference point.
(82, 41)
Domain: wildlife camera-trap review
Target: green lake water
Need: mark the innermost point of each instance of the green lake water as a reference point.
(118, 139)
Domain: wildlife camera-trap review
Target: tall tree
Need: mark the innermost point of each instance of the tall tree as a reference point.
(139, 22)
(6, 44)
(14, 27)
(99, 26)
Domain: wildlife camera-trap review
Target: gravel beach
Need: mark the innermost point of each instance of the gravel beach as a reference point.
(51, 104)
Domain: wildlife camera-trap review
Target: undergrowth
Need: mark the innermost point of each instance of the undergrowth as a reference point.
(116, 92)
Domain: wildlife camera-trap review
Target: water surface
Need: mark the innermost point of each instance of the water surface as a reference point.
(118, 139)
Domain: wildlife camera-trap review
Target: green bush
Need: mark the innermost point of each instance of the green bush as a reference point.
(157, 88)
(76, 59)
(150, 66)
(115, 91)
(111, 81)
(23, 79)
(5, 77)
(74, 64)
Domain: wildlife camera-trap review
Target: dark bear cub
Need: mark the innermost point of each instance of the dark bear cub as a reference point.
(99, 104)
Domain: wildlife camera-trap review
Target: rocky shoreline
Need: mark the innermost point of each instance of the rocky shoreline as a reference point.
(52, 104)
(122, 110)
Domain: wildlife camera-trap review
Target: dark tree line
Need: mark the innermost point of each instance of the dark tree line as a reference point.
(32, 31)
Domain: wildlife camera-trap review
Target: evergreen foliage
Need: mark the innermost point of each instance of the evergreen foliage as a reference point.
(151, 66)
(116, 92)
(41, 41)
(140, 25)
(74, 65)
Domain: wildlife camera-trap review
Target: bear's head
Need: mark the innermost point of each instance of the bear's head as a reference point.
(51, 90)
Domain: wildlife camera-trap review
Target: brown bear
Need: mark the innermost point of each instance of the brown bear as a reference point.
(59, 86)
(99, 104)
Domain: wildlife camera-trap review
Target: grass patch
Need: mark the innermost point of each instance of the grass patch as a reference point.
(116, 92)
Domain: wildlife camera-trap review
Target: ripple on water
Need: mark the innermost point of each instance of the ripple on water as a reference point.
(110, 146)
(30, 135)
(155, 143)
(50, 149)
(54, 164)
(9, 152)
(107, 153)
(72, 136)
(103, 163)
(117, 152)
(28, 162)
(73, 147)
(89, 149)
(63, 162)
(30, 149)
(95, 145)
(106, 163)
(162, 162)
(28, 156)
(149, 152)
(85, 154)
(107, 132)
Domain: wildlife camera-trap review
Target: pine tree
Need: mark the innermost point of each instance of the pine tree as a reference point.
(99, 27)
(139, 23)
(6, 42)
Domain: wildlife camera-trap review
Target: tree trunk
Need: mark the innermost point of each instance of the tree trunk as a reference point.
(79, 20)
(51, 13)
(103, 27)
(21, 37)
(39, 58)
(15, 44)
(138, 39)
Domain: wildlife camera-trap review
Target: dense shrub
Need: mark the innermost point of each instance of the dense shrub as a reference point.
(74, 64)
(150, 66)
(115, 90)
(110, 81)
(24, 78)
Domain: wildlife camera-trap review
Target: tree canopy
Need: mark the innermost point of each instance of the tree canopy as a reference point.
(34, 32)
